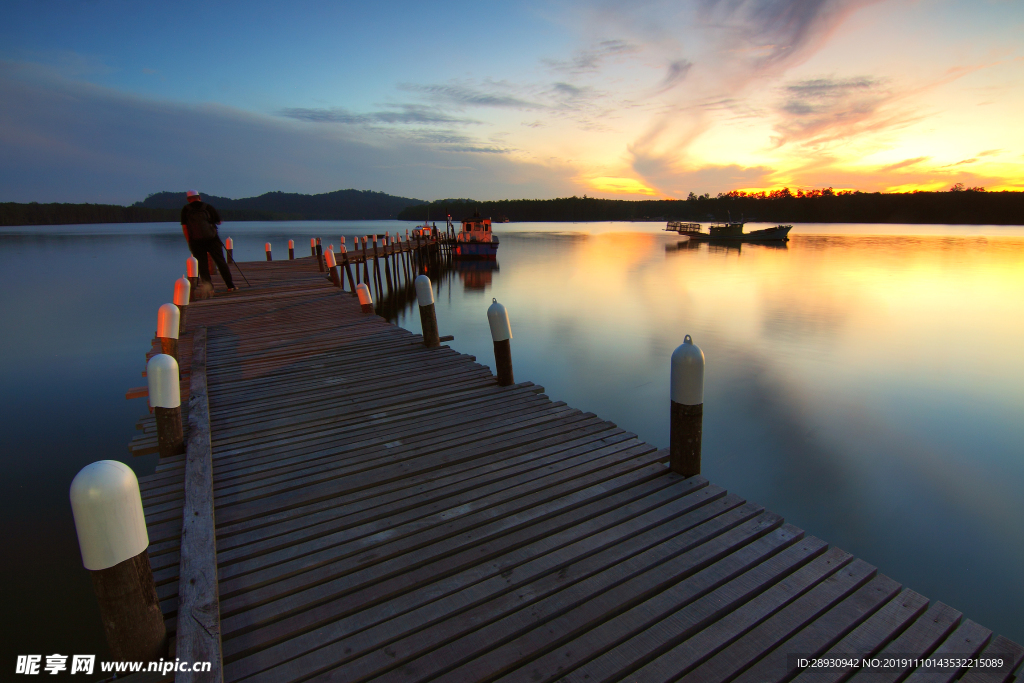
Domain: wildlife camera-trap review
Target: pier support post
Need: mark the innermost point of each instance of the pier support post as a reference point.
(501, 334)
(192, 273)
(229, 246)
(312, 246)
(168, 323)
(112, 536)
(291, 250)
(267, 247)
(182, 290)
(687, 413)
(348, 269)
(332, 268)
(428, 316)
(365, 300)
(165, 397)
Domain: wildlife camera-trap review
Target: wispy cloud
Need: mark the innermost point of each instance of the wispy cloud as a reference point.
(591, 59)
(676, 74)
(821, 110)
(903, 164)
(473, 96)
(401, 114)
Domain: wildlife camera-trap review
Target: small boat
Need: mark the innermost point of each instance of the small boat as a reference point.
(731, 231)
(475, 240)
(423, 230)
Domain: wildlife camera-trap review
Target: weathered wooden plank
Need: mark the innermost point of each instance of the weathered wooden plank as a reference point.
(922, 637)
(678, 570)
(823, 632)
(999, 647)
(673, 659)
(868, 638)
(964, 643)
(574, 545)
(198, 628)
(767, 635)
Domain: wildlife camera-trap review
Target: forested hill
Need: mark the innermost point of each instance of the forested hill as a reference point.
(338, 205)
(959, 206)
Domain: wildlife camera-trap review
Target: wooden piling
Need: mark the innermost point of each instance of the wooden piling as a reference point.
(687, 408)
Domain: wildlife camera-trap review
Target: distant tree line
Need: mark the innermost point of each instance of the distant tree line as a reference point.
(340, 205)
(959, 205)
(166, 207)
(68, 214)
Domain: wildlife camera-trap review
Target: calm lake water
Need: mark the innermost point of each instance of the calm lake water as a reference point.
(866, 382)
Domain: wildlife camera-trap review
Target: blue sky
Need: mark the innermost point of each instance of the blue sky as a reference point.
(110, 101)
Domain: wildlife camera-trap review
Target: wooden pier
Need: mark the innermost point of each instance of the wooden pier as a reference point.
(377, 510)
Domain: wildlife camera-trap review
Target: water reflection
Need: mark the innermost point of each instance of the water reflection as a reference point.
(476, 275)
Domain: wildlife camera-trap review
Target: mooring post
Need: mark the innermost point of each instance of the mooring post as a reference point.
(428, 316)
(501, 334)
(229, 246)
(269, 257)
(320, 254)
(291, 250)
(192, 273)
(112, 536)
(182, 290)
(165, 398)
(168, 323)
(365, 300)
(312, 246)
(332, 268)
(687, 408)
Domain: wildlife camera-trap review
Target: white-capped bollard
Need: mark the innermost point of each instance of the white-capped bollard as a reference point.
(192, 273)
(501, 335)
(229, 245)
(365, 300)
(112, 536)
(428, 316)
(267, 247)
(332, 267)
(320, 254)
(168, 323)
(291, 250)
(164, 382)
(182, 291)
(687, 408)
(312, 246)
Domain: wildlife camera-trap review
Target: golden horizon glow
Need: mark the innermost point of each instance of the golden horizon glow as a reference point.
(612, 185)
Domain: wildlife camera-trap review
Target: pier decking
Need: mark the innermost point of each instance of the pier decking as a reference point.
(384, 511)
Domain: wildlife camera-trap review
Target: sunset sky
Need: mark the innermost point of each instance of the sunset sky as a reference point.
(111, 101)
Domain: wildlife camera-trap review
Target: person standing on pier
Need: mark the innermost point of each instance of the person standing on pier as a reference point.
(199, 222)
